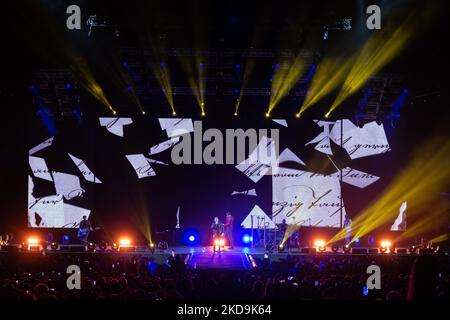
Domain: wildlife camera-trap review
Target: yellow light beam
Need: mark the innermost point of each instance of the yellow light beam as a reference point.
(329, 75)
(380, 49)
(419, 184)
(285, 78)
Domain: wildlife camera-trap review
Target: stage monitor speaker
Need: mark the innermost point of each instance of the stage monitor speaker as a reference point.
(401, 250)
(373, 250)
(359, 251)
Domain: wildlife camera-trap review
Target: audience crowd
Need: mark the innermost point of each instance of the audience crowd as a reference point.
(136, 277)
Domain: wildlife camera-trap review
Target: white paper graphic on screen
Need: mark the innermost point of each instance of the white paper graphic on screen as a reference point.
(299, 196)
(140, 165)
(41, 146)
(39, 168)
(85, 171)
(306, 198)
(258, 219)
(176, 127)
(115, 125)
(358, 142)
(261, 161)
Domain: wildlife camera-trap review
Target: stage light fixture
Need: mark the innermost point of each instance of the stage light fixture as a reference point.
(174, 113)
(267, 114)
(280, 247)
(297, 115)
(33, 244)
(385, 246)
(246, 239)
(91, 246)
(103, 245)
(114, 247)
(191, 238)
(335, 248)
(203, 113)
(320, 245)
(124, 242)
(32, 241)
(235, 114)
(54, 246)
(346, 248)
(143, 112)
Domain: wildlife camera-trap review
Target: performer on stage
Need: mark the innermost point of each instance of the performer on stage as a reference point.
(217, 228)
(84, 229)
(229, 229)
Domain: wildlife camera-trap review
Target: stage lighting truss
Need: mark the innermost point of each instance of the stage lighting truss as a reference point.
(55, 92)
(95, 21)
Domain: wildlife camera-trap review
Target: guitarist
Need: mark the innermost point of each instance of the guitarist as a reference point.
(84, 229)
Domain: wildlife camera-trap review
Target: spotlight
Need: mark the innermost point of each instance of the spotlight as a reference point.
(320, 245)
(114, 247)
(151, 246)
(91, 246)
(267, 114)
(124, 242)
(281, 247)
(203, 113)
(174, 113)
(235, 114)
(246, 238)
(54, 246)
(32, 241)
(143, 112)
(114, 112)
(385, 246)
(218, 243)
(191, 238)
(297, 115)
(33, 244)
(327, 115)
(346, 248)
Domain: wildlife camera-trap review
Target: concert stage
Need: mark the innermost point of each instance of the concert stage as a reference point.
(204, 258)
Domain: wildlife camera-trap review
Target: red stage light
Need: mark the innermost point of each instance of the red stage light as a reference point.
(33, 240)
(124, 242)
(385, 246)
(319, 244)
